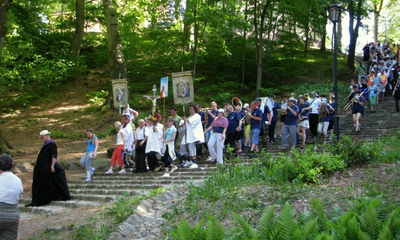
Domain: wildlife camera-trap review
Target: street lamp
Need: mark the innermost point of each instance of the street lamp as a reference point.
(334, 16)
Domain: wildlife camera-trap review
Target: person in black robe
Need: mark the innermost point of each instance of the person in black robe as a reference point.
(49, 181)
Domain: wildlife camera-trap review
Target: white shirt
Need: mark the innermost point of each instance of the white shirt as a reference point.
(314, 105)
(119, 138)
(194, 130)
(141, 133)
(153, 142)
(10, 188)
(128, 136)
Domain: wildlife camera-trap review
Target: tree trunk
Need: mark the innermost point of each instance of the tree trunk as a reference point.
(354, 15)
(244, 49)
(79, 27)
(4, 145)
(116, 58)
(259, 46)
(4, 6)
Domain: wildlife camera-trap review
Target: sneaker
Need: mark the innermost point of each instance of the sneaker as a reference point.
(88, 179)
(173, 169)
(157, 169)
(122, 171)
(92, 172)
(166, 175)
(183, 164)
(109, 171)
(209, 159)
(194, 165)
(188, 164)
(239, 151)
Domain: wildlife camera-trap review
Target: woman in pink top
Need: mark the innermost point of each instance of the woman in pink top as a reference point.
(219, 126)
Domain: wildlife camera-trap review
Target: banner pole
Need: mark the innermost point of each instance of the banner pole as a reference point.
(164, 114)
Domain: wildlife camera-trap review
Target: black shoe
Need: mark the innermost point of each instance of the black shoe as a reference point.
(135, 171)
(31, 205)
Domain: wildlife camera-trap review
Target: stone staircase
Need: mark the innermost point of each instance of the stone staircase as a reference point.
(104, 189)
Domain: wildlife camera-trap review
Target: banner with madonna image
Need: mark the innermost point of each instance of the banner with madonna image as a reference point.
(182, 85)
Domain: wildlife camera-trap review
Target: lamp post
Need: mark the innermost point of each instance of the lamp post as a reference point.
(334, 16)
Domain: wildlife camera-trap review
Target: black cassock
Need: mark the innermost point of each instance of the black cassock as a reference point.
(48, 186)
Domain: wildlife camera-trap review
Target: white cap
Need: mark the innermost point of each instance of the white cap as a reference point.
(44, 133)
(246, 105)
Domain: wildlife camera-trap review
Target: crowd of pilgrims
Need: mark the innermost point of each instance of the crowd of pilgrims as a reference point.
(224, 132)
(235, 129)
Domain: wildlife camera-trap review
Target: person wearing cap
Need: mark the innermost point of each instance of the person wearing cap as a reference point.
(290, 126)
(255, 118)
(10, 192)
(130, 112)
(92, 145)
(219, 127)
(49, 181)
(314, 115)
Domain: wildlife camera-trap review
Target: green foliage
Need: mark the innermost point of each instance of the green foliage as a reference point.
(57, 134)
(367, 220)
(97, 97)
(354, 152)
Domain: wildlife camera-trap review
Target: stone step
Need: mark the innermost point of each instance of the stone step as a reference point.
(118, 185)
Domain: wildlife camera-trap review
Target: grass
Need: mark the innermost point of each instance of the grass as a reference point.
(101, 226)
(340, 184)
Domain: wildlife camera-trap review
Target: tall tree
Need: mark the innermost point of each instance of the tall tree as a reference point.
(79, 27)
(355, 9)
(4, 6)
(116, 60)
(377, 8)
(259, 14)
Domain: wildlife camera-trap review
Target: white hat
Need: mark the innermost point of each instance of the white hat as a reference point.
(324, 100)
(44, 133)
(246, 105)
(221, 110)
(181, 123)
(292, 99)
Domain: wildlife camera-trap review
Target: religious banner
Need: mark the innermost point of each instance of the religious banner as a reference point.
(164, 87)
(182, 86)
(120, 92)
